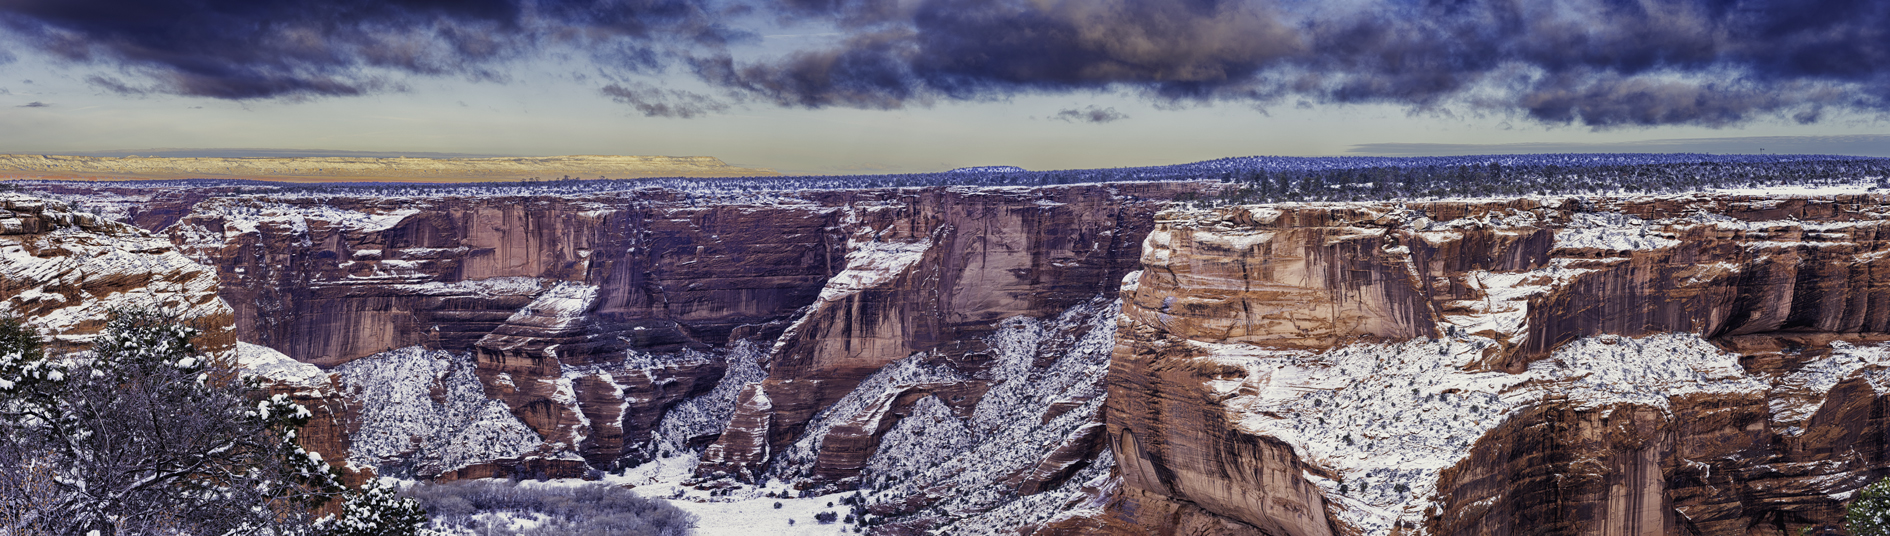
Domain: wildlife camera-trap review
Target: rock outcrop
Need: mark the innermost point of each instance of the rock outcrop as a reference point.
(1705, 364)
(64, 271)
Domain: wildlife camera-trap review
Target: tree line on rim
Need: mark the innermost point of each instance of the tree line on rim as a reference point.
(1256, 179)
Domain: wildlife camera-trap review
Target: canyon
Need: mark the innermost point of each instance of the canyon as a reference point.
(1078, 359)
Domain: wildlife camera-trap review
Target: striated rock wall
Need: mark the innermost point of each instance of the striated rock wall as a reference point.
(1457, 367)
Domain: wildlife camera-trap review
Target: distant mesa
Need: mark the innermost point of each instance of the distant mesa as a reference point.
(988, 169)
(374, 169)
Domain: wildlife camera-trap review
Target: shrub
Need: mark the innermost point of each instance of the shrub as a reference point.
(598, 509)
(826, 518)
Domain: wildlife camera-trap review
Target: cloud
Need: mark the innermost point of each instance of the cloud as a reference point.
(1855, 145)
(35, 104)
(658, 102)
(114, 85)
(258, 49)
(1600, 63)
(1597, 63)
(1091, 114)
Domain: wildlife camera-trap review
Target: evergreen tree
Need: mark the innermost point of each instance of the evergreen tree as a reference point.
(1869, 513)
(147, 434)
(376, 510)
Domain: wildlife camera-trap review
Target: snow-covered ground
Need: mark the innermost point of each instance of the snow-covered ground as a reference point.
(747, 511)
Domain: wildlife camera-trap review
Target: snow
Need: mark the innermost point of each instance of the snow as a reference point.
(708, 414)
(1607, 369)
(1612, 232)
(1799, 394)
(872, 263)
(264, 362)
(746, 512)
(563, 307)
(932, 450)
(483, 288)
(1812, 190)
(1504, 310)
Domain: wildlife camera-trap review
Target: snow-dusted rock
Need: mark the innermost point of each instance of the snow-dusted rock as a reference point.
(1616, 365)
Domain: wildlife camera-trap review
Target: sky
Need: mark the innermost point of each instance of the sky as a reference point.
(871, 86)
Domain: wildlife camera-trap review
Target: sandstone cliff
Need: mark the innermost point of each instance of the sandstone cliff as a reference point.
(1700, 364)
(371, 169)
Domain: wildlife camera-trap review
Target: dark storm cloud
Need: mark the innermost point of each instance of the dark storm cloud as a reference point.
(1856, 145)
(659, 102)
(1601, 63)
(248, 49)
(1091, 114)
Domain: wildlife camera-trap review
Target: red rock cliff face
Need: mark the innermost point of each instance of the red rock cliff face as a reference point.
(931, 273)
(1456, 368)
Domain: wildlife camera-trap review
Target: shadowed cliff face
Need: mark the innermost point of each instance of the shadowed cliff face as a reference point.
(795, 337)
(1460, 367)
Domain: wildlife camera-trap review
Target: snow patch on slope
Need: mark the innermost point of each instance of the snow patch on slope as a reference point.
(1811, 381)
(935, 456)
(562, 307)
(424, 412)
(1504, 308)
(482, 288)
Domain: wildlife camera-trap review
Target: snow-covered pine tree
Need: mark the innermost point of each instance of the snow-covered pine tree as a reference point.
(1869, 513)
(376, 510)
(146, 434)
